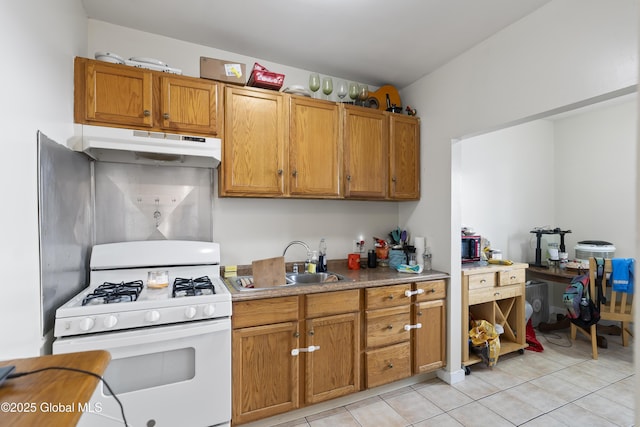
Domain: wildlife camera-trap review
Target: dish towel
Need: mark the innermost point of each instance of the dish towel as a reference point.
(622, 274)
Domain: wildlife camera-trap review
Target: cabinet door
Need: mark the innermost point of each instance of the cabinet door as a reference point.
(429, 340)
(188, 105)
(404, 158)
(366, 148)
(334, 369)
(265, 374)
(314, 148)
(117, 94)
(254, 143)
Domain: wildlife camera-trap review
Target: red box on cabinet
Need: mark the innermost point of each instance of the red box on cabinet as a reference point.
(263, 78)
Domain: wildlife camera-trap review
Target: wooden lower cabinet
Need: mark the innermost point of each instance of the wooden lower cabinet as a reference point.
(333, 326)
(265, 376)
(360, 338)
(429, 341)
(334, 369)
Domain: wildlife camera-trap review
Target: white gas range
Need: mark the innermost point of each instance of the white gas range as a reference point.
(162, 311)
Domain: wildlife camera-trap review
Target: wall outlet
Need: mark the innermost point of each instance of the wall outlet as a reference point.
(355, 246)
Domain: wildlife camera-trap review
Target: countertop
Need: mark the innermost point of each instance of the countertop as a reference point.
(52, 397)
(363, 278)
(490, 268)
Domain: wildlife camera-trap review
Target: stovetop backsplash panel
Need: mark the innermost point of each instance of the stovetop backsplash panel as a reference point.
(140, 202)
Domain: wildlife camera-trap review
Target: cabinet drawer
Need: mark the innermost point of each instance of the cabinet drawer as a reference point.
(483, 295)
(386, 296)
(326, 304)
(264, 311)
(386, 326)
(388, 364)
(435, 289)
(484, 280)
(511, 277)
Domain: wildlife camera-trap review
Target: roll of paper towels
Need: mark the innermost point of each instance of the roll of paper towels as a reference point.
(419, 243)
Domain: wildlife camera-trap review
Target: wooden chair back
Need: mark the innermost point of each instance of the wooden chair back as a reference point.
(617, 308)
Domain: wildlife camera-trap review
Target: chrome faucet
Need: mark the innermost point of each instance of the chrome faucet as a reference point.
(297, 242)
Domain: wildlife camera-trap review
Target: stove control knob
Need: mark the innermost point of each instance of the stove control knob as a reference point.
(87, 323)
(190, 312)
(209, 309)
(110, 321)
(152, 316)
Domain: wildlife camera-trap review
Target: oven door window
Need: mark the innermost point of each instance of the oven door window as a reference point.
(150, 370)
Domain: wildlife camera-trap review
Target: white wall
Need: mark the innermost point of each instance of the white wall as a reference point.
(595, 171)
(249, 229)
(569, 172)
(566, 52)
(507, 186)
(39, 40)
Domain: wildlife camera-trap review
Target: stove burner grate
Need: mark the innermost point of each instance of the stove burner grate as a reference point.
(192, 287)
(109, 293)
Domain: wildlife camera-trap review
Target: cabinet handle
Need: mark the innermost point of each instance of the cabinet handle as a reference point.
(146, 113)
(390, 296)
(416, 292)
(389, 326)
(410, 327)
(294, 173)
(495, 294)
(390, 365)
(393, 179)
(309, 349)
(483, 281)
(296, 334)
(311, 332)
(166, 116)
(512, 277)
(279, 171)
(433, 290)
(419, 313)
(348, 177)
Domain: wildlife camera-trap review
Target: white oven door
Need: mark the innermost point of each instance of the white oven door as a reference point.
(178, 375)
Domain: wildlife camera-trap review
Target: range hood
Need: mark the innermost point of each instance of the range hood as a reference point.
(145, 147)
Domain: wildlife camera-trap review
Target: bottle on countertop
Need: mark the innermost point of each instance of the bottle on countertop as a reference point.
(322, 256)
(313, 264)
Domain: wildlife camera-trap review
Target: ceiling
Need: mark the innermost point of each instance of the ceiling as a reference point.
(372, 41)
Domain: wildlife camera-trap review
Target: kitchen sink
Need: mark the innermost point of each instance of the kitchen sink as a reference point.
(307, 278)
(245, 283)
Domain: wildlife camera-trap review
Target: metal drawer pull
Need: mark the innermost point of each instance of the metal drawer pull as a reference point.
(390, 365)
(483, 281)
(309, 349)
(495, 294)
(389, 326)
(146, 113)
(512, 277)
(410, 327)
(416, 292)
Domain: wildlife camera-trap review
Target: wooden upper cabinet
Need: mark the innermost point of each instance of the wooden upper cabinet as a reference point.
(314, 148)
(188, 105)
(254, 143)
(404, 157)
(366, 150)
(117, 94)
(123, 96)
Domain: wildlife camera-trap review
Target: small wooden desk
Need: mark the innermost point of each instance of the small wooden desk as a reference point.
(52, 397)
(561, 275)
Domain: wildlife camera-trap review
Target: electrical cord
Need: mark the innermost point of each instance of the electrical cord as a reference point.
(82, 371)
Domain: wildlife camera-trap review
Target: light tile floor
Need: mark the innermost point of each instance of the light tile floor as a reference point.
(561, 386)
